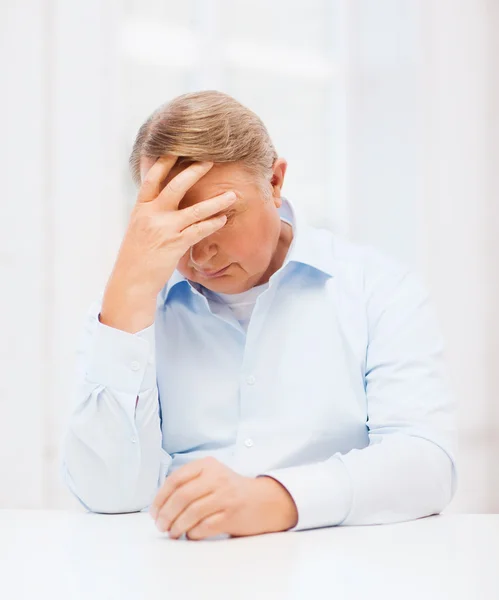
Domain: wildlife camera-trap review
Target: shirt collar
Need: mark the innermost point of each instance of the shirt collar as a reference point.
(310, 246)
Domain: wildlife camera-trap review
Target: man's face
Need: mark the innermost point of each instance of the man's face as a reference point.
(247, 247)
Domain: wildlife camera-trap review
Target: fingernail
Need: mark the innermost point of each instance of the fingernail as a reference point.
(230, 195)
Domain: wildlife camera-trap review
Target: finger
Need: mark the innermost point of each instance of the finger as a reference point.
(181, 498)
(145, 163)
(173, 192)
(209, 527)
(205, 209)
(154, 177)
(198, 231)
(192, 515)
(176, 479)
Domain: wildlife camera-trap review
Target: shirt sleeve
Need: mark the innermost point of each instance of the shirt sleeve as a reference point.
(112, 456)
(408, 469)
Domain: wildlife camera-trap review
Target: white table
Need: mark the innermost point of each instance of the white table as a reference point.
(72, 556)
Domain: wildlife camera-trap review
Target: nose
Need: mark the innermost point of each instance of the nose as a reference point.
(202, 253)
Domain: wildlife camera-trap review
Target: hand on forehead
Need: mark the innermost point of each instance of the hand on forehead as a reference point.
(220, 178)
(146, 162)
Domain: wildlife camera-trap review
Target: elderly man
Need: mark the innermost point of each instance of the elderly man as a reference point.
(244, 372)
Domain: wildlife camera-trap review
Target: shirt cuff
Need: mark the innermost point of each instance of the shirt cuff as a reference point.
(120, 360)
(322, 492)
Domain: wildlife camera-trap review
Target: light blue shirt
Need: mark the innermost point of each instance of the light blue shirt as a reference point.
(337, 390)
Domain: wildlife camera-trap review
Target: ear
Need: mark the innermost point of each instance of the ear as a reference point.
(278, 173)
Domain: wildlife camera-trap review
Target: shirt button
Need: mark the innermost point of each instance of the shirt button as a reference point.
(251, 380)
(133, 440)
(248, 443)
(135, 365)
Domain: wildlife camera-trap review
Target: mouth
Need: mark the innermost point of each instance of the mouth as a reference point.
(212, 274)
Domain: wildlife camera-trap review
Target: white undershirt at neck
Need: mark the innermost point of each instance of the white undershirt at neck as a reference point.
(241, 304)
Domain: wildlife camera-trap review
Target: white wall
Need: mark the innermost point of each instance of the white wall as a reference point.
(87, 211)
(424, 187)
(62, 217)
(24, 254)
(462, 251)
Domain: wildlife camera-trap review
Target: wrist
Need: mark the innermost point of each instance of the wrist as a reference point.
(279, 506)
(127, 308)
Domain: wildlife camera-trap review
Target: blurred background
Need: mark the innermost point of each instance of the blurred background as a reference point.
(388, 114)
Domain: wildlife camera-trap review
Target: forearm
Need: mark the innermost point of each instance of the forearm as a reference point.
(112, 463)
(397, 478)
(112, 453)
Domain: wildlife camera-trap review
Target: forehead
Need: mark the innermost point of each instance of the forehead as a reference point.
(220, 178)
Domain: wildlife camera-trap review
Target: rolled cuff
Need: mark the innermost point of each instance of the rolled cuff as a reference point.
(322, 492)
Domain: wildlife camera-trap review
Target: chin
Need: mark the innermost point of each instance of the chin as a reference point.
(226, 285)
(219, 285)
